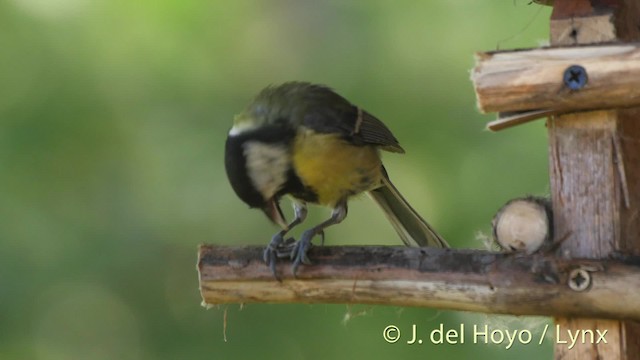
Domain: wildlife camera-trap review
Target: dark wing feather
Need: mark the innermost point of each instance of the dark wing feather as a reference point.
(325, 111)
(374, 131)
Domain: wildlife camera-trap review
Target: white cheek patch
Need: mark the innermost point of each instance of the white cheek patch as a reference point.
(267, 165)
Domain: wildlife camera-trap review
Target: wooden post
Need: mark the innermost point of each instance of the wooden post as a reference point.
(594, 160)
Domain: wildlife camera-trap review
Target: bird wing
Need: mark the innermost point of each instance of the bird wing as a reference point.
(374, 131)
(328, 112)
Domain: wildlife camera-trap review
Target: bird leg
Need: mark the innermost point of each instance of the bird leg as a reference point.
(279, 247)
(300, 248)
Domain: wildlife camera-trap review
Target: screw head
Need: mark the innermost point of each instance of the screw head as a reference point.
(575, 77)
(579, 279)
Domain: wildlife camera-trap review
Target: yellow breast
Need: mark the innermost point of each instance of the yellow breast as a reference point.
(334, 168)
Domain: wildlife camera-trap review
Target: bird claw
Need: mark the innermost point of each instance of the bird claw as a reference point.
(284, 249)
(269, 257)
(300, 249)
(277, 248)
(280, 248)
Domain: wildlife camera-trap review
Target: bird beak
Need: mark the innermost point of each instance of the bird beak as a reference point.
(274, 213)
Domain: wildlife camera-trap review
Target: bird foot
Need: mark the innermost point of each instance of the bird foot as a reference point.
(277, 248)
(300, 249)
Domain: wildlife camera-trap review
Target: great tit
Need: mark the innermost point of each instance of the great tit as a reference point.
(307, 141)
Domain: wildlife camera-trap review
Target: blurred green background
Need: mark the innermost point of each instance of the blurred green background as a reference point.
(113, 116)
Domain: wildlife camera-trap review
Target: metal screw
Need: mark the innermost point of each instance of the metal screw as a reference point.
(579, 279)
(575, 77)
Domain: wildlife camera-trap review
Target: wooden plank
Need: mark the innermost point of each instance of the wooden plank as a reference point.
(471, 280)
(508, 81)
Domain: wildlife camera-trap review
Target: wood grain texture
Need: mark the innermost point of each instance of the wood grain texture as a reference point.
(508, 81)
(583, 30)
(583, 191)
(582, 170)
(471, 280)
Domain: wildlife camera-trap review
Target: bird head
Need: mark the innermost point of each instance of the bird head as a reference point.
(258, 159)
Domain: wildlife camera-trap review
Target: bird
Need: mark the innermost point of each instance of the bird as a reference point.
(307, 142)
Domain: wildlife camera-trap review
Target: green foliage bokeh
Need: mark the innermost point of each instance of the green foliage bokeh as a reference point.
(113, 116)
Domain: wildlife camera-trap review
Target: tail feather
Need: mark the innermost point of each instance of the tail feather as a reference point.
(412, 228)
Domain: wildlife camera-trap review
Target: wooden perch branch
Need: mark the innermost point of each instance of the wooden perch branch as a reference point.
(469, 280)
(526, 80)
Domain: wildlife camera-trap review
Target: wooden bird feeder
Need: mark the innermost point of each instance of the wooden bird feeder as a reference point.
(588, 85)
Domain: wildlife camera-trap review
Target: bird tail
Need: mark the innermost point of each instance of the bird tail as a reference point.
(412, 228)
